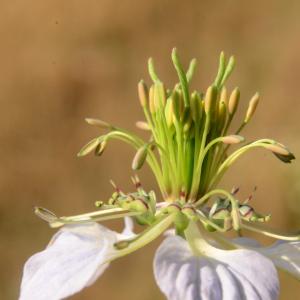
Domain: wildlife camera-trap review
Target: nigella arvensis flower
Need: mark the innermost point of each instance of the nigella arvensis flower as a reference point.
(188, 152)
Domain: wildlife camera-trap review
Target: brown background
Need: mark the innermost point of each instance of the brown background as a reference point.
(64, 60)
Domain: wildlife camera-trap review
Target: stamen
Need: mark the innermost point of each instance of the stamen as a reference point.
(234, 190)
(182, 77)
(263, 143)
(191, 70)
(270, 232)
(117, 189)
(89, 147)
(221, 70)
(142, 125)
(45, 214)
(99, 123)
(102, 215)
(140, 157)
(152, 232)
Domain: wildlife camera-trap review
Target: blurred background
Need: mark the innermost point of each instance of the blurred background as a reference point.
(62, 61)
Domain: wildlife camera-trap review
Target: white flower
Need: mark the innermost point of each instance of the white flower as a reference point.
(187, 151)
(185, 269)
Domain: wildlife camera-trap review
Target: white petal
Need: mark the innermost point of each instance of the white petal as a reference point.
(75, 257)
(228, 275)
(128, 227)
(247, 242)
(285, 255)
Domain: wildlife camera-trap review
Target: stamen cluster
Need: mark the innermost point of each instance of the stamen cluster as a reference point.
(188, 152)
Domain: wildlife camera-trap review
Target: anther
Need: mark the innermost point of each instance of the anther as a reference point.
(98, 123)
(142, 125)
(210, 99)
(252, 107)
(233, 139)
(233, 101)
(140, 157)
(143, 93)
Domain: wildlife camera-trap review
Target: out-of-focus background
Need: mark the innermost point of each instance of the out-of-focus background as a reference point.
(61, 61)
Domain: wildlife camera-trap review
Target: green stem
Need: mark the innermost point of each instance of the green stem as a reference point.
(197, 170)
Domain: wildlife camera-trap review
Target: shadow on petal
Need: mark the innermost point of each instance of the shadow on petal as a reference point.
(285, 255)
(227, 274)
(75, 257)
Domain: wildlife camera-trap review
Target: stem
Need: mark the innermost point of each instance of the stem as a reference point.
(197, 170)
(271, 233)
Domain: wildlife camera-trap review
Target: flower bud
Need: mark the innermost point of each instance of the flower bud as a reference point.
(143, 92)
(140, 158)
(252, 107)
(233, 101)
(98, 123)
(233, 139)
(142, 125)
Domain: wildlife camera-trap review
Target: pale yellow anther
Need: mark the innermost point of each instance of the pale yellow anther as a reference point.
(98, 123)
(234, 101)
(210, 99)
(169, 112)
(277, 148)
(233, 139)
(223, 96)
(151, 100)
(140, 158)
(252, 107)
(142, 125)
(143, 93)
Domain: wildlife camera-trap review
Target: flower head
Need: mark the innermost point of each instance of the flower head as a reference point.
(188, 152)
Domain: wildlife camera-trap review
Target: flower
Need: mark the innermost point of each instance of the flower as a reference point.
(188, 154)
